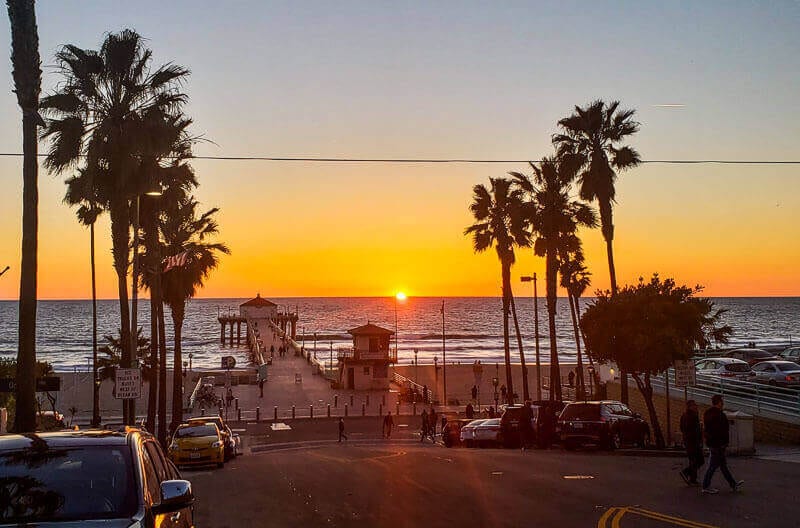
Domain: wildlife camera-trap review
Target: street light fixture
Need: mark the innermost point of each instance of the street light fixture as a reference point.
(536, 333)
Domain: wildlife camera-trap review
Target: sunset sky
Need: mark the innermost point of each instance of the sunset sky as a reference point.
(450, 80)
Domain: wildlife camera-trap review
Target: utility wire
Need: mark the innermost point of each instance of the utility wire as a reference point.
(449, 160)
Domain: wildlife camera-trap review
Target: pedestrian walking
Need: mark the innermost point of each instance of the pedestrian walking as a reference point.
(716, 430)
(571, 379)
(432, 423)
(470, 412)
(388, 424)
(474, 392)
(693, 442)
(229, 397)
(504, 393)
(424, 428)
(424, 394)
(341, 431)
(525, 426)
(261, 387)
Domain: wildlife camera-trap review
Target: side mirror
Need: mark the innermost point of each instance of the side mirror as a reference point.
(175, 495)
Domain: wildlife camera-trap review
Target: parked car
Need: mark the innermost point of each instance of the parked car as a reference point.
(197, 445)
(791, 354)
(608, 424)
(91, 478)
(488, 433)
(50, 421)
(780, 373)
(451, 435)
(468, 432)
(544, 416)
(724, 367)
(233, 443)
(751, 355)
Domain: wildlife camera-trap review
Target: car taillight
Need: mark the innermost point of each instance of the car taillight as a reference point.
(790, 378)
(603, 419)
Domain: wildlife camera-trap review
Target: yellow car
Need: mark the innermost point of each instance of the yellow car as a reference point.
(197, 445)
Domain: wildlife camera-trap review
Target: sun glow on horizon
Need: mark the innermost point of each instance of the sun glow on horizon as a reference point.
(401, 296)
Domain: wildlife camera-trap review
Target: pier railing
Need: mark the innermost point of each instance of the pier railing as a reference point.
(352, 353)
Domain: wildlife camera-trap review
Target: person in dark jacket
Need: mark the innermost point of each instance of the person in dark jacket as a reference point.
(693, 442)
(341, 430)
(716, 432)
(525, 426)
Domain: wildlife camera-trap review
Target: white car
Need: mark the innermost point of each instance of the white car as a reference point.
(468, 432)
(725, 367)
(488, 432)
(781, 373)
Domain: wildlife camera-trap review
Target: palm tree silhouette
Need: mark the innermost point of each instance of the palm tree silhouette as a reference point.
(590, 137)
(27, 85)
(184, 231)
(500, 222)
(575, 278)
(554, 218)
(99, 118)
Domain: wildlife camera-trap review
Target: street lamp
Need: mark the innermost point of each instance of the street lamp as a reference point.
(536, 333)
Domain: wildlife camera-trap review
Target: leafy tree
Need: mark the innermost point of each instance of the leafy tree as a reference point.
(500, 222)
(99, 117)
(27, 85)
(590, 138)
(645, 328)
(554, 218)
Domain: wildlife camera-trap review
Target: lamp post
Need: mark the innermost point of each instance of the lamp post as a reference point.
(536, 333)
(190, 362)
(416, 367)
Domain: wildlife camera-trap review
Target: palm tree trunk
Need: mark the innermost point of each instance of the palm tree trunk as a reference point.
(27, 82)
(177, 374)
(162, 368)
(152, 392)
(506, 345)
(579, 378)
(120, 237)
(552, 278)
(607, 226)
(95, 380)
(525, 392)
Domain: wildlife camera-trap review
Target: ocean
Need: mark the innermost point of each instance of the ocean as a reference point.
(473, 326)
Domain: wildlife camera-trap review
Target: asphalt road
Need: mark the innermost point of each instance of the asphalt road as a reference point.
(369, 483)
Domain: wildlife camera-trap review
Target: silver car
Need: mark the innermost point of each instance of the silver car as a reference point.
(791, 354)
(725, 367)
(780, 373)
(468, 432)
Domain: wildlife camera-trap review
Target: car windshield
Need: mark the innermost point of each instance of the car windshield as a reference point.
(491, 421)
(737, 367)
(758, 354)
(70, 484)
(196, 431)
(788, 366)
(474, 423)
(581, 411)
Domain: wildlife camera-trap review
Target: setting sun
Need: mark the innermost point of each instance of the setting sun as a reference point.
(401, 296)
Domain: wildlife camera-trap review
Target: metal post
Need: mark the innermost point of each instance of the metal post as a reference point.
(335, 400)
(236, 403)
(669, 421)
(258, 414)
(345, 409)
(536, 339)
(293, 411)
(238, 415)
(311, 410)
(275, 413)
(329, 410)
(444, 361)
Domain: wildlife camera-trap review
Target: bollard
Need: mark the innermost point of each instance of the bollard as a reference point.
(238, 415)
(236, 403)
(311, 411)
(292, 412)
(383, 399)
(345, 409)
(202, 411)
(336, 400)
(351, 400)
(367, 400)
(275, 413)
(414, 409)
(363, 410)
(397, 412)
(258, 413)
(329, 410)
(220, 412)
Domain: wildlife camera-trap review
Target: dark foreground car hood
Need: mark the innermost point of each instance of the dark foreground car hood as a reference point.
(104, 523)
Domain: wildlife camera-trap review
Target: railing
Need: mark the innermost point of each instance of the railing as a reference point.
(351, 353)
(758, 399)
(413, 386)
(254, 337)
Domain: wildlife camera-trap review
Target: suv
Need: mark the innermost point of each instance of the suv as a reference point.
(543, 419)
(791, 354)
(609, 424)
(91, 478)
(751, 355)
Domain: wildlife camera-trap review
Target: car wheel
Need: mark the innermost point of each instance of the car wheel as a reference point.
(613, 442)
(644, 440)
(468, 443)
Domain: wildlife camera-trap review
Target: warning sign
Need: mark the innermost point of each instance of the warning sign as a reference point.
(128, 383)
(685, 373)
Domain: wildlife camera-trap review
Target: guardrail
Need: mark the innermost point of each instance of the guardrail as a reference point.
(414, 387)
(758, 399)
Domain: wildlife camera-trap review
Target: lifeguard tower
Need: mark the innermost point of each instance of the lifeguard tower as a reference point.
(365, 365)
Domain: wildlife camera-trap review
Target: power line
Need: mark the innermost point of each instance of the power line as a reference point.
(449, 160)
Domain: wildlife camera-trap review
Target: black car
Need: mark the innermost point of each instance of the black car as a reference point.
(751, 355)
(91, 478)
(609, 424)
(544, 414)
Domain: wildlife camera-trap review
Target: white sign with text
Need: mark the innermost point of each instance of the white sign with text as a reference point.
(129, 383)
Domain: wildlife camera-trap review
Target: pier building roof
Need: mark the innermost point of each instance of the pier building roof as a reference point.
(258, 302)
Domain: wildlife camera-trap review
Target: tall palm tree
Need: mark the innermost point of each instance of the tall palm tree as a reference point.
(186, 232)
(27, 85)
(591, 138)
(112, 355)
(575, 278)
(98, 119)
(554, 216)
(499, 222)
(81, 193)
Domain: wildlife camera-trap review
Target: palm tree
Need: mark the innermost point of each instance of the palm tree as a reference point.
(575, 278)
(81, 193)
(499, 222)
(186, 233)
(112, 355)
(27, 85)
(554, 216)
(98, 118)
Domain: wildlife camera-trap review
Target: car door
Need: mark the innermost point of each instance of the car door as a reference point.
(162, 470)
(762, 374)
